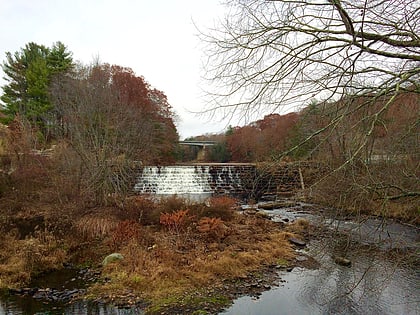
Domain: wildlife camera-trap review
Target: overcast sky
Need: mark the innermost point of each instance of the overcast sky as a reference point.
(157, 39)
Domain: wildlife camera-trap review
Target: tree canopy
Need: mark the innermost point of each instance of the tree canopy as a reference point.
(353, 64)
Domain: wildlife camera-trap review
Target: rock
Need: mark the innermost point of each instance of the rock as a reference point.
(289, 269)
(301, 258)
(112, 258)
(41, 294)
(277, 205)
(250, 211)
(16, 291)
(342, 261)
(297, 242)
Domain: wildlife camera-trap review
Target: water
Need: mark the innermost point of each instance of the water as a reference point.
(17, 306)
(378, 282)
(196, 182)
(370, 286)
(385, 234)
(65, 280)
(179, 180)
(335, 291)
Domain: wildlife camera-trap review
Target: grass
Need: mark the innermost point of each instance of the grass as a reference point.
(165, 274)
(20, 260)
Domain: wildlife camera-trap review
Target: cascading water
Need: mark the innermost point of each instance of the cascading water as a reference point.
(196, 181)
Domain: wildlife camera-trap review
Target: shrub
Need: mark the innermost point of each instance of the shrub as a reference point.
(141, 209)
(213, 228)
(124, 232)
(221, 207)
(173, 204)
(176, 221)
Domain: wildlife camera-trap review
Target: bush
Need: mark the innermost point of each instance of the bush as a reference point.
(212, 228)
(125, 232)
(222, 207)
(173, 203)
(141, 209)
(175, 222)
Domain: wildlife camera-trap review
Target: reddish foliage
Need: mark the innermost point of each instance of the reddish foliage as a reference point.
(224, 202)
(125, 231)
(141, 209)
(175, 221)
(135, 92)
(261, 139)
(222, 206)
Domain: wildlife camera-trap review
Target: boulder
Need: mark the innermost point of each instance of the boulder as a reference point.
(112, 258)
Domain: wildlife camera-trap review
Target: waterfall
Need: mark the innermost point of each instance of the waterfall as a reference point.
(196, 181)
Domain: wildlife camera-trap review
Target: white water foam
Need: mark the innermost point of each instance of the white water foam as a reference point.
(181, 179)
(196, 182)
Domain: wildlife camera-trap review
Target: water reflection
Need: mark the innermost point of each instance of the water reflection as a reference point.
(27, 306)
(375, 284)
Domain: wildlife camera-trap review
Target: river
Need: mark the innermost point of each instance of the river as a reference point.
(382, 279)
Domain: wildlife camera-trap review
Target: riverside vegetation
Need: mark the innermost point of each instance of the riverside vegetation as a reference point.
(177, 255)
(174, 251)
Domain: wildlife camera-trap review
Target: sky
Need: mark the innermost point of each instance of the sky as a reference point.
(157, 39)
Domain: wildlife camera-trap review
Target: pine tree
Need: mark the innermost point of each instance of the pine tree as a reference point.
(29, 73)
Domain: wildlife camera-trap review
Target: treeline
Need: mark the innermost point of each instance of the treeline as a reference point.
(62, 99)
(330, 131)
(99, 118)
(368, 149)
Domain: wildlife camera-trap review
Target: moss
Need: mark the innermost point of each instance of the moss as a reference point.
(162, 304)
(282, 262)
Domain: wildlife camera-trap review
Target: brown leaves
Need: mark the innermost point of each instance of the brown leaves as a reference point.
(212, 227)
(124, 232)
(175, 221)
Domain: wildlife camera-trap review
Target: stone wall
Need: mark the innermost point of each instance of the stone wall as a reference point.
(250, 181)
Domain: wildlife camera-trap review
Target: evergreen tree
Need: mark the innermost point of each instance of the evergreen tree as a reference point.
(29, 73)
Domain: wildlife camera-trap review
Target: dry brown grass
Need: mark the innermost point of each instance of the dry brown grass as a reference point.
(21, 259)
(162, 270)
(96, 226)
(299, 226)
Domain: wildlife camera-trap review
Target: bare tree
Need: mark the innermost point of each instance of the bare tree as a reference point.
(279, 53)
(354, 57)
(111, 119)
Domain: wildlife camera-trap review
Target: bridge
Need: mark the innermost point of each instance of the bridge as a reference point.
(198, 143)
(202, 144)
